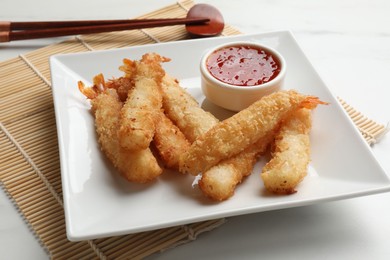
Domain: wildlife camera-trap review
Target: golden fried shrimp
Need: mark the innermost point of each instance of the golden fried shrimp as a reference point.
(184, 110)
(236, 133)
(139, 166)
(291, 156)
(144, 101)
(169, 141)
(220, 181)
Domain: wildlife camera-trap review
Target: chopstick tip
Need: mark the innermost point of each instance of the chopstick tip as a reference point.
(4, 36)
(5, 26)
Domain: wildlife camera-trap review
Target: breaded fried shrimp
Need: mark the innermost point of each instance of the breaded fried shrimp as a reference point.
(140, 111)
(291, 156)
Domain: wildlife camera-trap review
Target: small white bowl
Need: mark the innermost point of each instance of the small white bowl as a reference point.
(233, 97)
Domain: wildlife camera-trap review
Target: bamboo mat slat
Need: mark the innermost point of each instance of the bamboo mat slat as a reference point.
(29, 157)
(371, 130)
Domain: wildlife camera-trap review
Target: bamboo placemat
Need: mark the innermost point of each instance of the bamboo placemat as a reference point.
(29, 157)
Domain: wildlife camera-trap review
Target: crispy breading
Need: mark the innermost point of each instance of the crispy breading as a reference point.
(291, 156)
(169, 141)
(220, 181)
(144, 101)
(184, 110)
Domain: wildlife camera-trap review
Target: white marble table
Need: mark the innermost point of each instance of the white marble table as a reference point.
(348, 42)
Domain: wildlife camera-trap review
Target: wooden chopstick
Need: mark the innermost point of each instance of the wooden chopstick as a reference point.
(35, 30)
(23, 25)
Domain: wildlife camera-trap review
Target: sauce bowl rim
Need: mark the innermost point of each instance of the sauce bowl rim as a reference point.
(207, 75)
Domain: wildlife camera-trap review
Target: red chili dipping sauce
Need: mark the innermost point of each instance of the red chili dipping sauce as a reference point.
(243, 65)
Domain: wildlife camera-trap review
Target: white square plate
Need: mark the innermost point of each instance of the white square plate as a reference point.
(99, 203)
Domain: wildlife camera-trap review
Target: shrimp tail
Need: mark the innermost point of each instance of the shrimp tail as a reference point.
(92, 92)
(311, 102)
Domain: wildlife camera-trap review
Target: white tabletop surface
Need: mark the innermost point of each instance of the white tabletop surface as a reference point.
(347, 41)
